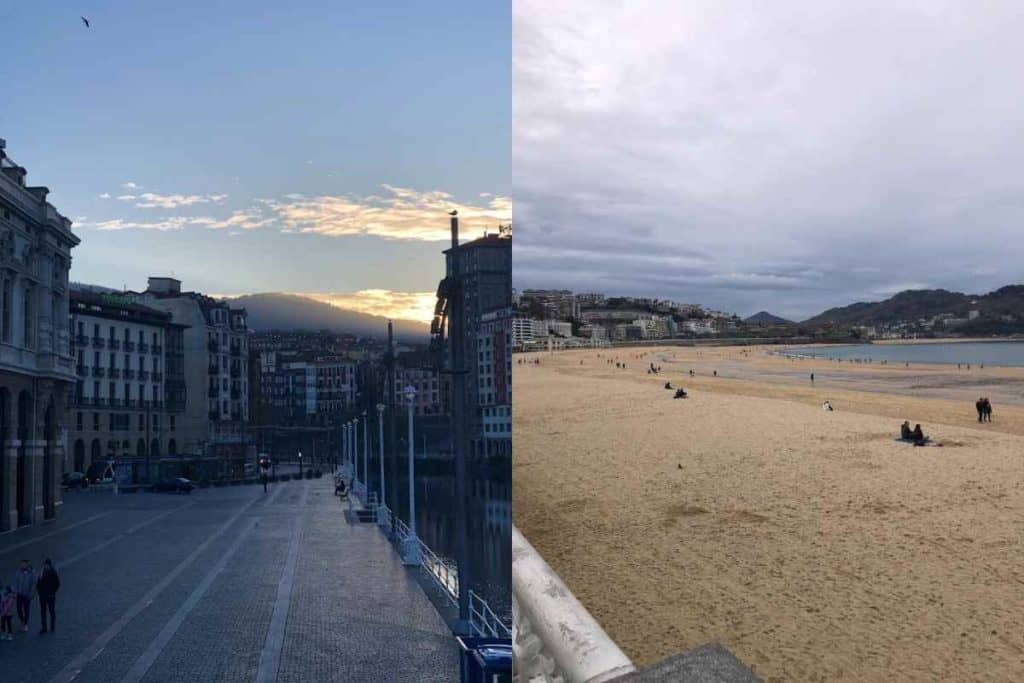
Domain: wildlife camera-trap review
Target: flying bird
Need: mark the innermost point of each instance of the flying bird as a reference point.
(85, 21)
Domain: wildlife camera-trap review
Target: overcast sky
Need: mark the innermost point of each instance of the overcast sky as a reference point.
(256, 145)
(788, 156)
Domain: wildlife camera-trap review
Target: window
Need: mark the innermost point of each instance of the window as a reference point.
(142, 422)
(78, 421)
(27, 321)
(172, 423)
(95, 422)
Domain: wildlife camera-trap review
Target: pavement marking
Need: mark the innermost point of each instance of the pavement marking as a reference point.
(75, 666)
(141, 525)
(30, 541)
(270, 658)
(146, 659)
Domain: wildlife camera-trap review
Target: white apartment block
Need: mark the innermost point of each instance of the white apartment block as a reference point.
(426, 381)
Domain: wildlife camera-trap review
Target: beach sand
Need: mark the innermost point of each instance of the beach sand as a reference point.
(811, 544)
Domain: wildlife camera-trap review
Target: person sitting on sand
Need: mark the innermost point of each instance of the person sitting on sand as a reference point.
(668, 385)
(680, 393)
(918, 435)
(905, 431)
(827, 406)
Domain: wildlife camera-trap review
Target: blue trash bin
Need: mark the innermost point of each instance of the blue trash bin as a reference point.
(485, 660)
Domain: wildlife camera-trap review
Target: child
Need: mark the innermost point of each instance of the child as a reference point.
(7, 614)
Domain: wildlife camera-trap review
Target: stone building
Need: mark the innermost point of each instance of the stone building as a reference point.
(130, 393)
(216, 371)
(35, 360)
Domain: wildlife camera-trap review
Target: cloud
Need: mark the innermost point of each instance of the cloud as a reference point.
(130, 186)
(382, 302)
(105, 195)
(401, 214)
(758, 156)
(153, 200)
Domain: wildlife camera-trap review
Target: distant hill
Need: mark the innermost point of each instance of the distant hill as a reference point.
(274, 311)
(766, 319)
(1006, 302)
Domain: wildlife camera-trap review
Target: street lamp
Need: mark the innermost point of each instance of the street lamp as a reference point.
(300, 464)
(381, 518)
(411, 552)
(366, 447)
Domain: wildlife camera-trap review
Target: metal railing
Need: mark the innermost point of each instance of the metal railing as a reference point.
(482, 619)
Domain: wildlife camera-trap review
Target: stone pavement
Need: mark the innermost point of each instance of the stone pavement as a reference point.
(226, 584)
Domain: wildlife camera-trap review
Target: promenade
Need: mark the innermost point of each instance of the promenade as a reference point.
(225, 584)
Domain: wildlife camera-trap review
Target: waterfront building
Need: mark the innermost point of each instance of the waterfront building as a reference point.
(486, 274)
(216, 370)
(494, 344)
(35, 350)
(130, 388)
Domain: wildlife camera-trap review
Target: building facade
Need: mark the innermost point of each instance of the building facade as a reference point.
(128, 398)
(494, 344)
(215, 349)
(35, 351)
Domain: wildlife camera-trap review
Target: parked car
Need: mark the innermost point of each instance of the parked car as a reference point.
(74, 480)
(175, 485)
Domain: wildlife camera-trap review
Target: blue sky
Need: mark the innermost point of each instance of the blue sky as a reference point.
(262, 146)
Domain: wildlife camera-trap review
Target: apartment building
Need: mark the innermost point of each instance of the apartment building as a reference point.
(35, 350)
(216, 369)
(494, 378)
(130, 386)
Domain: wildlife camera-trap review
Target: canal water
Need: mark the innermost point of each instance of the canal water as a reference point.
(489, 528)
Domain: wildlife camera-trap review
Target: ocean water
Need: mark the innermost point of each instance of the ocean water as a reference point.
(1008, 353)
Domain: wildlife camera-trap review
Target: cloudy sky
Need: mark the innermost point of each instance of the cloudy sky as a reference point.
(310, 147)
(788, 156)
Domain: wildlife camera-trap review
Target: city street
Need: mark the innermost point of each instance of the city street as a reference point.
(224, 584)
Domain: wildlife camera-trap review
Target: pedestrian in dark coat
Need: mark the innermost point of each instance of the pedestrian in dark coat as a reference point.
(47, 586)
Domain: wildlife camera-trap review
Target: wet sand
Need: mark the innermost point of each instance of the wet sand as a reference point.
(812, 544)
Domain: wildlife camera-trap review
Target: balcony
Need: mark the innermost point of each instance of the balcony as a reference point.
(81, 340)
(236, 350)
(157, 349)
(158, 376)
(114, 344)
(99, 372)
(129, 346)
(236, 394)
(214, 369)
(213, 392)
(129, 374)
(143, 347)
(213, 346)
(143, 375)
(115, 373)
(81, 370)
(99, 342)
(131, 403)
(235, 371)
(113, 402)
(236, 416)
(214, 415)
(157, 405)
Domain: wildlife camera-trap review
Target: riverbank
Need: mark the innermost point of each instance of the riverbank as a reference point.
(811, 544)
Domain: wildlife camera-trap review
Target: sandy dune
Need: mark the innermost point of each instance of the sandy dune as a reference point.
(812, 544)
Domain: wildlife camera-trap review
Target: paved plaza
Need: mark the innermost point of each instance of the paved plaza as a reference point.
(225, 584)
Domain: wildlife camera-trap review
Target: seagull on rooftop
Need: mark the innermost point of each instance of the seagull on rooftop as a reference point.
(85, 21)
(453, 212)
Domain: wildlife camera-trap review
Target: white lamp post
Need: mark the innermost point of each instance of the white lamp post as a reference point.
(344, 450)
(411, 552)
(366, 459)
(382, 508)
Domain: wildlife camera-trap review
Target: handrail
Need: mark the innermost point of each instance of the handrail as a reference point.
(555, 634)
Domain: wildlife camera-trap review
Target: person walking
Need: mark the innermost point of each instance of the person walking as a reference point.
(812, 378)
(24, 587)
(7, 614)
(987, 408)
(979, 405)
(47, 586)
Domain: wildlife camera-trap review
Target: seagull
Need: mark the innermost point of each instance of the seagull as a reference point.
(453, 212)
(85, 21)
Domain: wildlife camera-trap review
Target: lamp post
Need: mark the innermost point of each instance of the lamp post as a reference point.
(354, 450)
(381, 516)
(366, 449)
(411, 551)
(300, 464)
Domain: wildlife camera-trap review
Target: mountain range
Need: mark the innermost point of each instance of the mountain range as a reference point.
(276, 311)
(766, 319)
(926, 303)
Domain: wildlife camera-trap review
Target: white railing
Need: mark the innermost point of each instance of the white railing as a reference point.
(556, 638)
(483, 620)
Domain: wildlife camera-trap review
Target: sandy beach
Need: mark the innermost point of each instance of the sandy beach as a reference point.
(812, 544)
